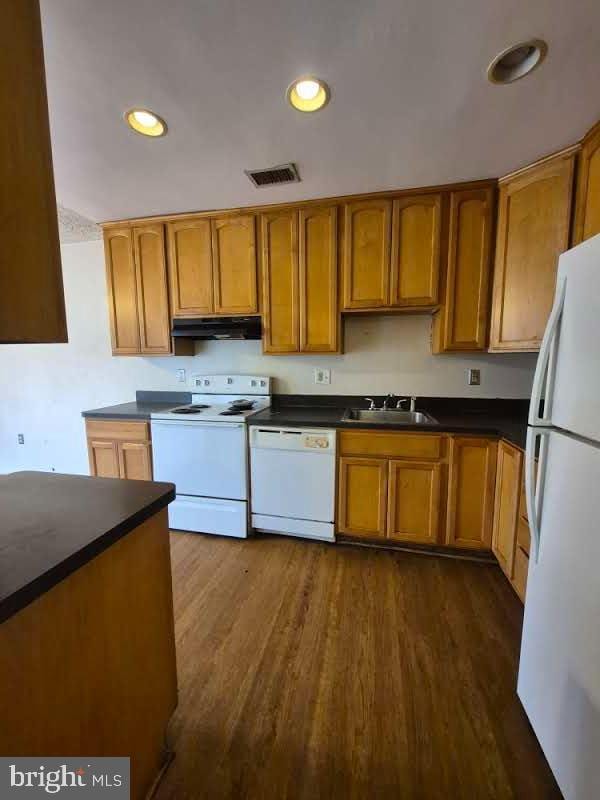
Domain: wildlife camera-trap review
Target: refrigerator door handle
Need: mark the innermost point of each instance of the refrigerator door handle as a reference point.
(534, 488)
(545, 367)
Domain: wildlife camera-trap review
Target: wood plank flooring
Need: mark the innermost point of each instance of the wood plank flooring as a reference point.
(313, 672)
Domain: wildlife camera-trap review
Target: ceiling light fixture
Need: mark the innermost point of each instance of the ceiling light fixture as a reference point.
(308, 94)
(146, 122)
(517, 61)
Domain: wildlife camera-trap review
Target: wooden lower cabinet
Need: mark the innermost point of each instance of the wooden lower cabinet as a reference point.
(414, 501)
(119, 449)
(471, 483)
(104, 458)
(390, 486)
(506, 507)
(363, 497)
(393, 486)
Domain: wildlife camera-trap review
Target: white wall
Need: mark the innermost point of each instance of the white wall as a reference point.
(44, 388)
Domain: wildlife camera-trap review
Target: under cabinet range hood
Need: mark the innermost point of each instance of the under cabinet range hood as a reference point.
(217, 328)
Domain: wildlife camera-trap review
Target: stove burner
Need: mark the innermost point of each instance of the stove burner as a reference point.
(198, 405)
(193, 409)
(231, 412)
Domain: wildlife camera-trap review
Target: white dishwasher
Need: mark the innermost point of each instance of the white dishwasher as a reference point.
(292, 474)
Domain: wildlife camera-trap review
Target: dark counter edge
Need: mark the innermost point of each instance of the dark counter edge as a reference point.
(38, 586)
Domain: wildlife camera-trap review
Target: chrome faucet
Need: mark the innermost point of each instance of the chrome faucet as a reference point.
(372, 406)
(387, 403)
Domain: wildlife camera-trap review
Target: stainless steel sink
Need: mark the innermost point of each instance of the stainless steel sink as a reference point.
(388, 416)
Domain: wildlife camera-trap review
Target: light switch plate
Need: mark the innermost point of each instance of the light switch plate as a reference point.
(322, 376)
(474, 377)
(180, 375)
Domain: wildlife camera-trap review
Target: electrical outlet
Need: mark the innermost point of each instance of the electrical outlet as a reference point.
(20, 438)
(474, 377)
(180, 375)
(322, 376)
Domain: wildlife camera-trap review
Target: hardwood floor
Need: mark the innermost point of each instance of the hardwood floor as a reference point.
(314, 671)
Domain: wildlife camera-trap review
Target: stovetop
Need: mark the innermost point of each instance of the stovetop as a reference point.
(216, 408)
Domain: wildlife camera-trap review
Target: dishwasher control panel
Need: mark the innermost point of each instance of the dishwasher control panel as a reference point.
(317, 441)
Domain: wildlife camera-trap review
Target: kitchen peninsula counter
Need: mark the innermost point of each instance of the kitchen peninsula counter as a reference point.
(86, 619)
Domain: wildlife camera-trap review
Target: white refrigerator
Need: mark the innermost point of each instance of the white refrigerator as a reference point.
(559, 671)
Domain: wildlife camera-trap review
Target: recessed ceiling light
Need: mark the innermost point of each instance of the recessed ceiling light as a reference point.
(308, 93)
(145, 122)
(517, 61)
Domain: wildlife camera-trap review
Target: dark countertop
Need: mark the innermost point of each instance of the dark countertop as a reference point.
(51, 525)
(146, 402)
(506, 420)
(135, 410)
(496, 417)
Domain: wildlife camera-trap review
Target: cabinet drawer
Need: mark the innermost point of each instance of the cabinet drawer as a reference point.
(523, 536)
(521, 567)
(392, 445)
(118, 430)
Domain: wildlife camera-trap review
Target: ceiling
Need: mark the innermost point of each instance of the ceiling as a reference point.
(410, 103)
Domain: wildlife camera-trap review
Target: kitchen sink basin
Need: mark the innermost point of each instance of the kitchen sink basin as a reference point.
(387, 416)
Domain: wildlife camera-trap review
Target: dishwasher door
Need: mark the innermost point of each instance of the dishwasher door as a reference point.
(293, 475)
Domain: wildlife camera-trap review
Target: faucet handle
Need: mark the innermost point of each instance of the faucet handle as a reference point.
(372, 407)
(412, 400)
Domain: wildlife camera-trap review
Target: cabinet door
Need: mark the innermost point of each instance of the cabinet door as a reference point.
(414, 503)
(152, 293)
(362, 497)
(415, 269)
(32, 307)
(104, 458)
(506, 506)
(135, 461)
(463, 318)
(122, 291)
(279, 235)
(534, 212)
(367, 232)
(471, 492)
(319, 316)
(234, 265)
(191, 267)
(587, 211)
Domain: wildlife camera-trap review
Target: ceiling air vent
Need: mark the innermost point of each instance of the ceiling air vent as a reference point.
(285, 173)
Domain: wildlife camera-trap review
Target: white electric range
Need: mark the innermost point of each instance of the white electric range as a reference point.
(203, 449)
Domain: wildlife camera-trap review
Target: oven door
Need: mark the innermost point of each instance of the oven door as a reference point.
(203, 459)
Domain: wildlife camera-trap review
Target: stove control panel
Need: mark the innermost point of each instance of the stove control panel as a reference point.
(232, 384)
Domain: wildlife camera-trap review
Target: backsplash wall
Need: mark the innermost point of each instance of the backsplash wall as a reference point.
(45, 387)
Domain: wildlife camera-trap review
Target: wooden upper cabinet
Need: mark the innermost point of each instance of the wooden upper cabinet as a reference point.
(319, 317)
(279, 236)
(191, 267)
(362, 496)
(153, 297)
(32, 307)
(506, 505)
(415, 266)
(471, 486)
(462, 321)
(366, 262)
(587, 209)
(534, 213)
(414, 504)
(234, 265)
(122, 291)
